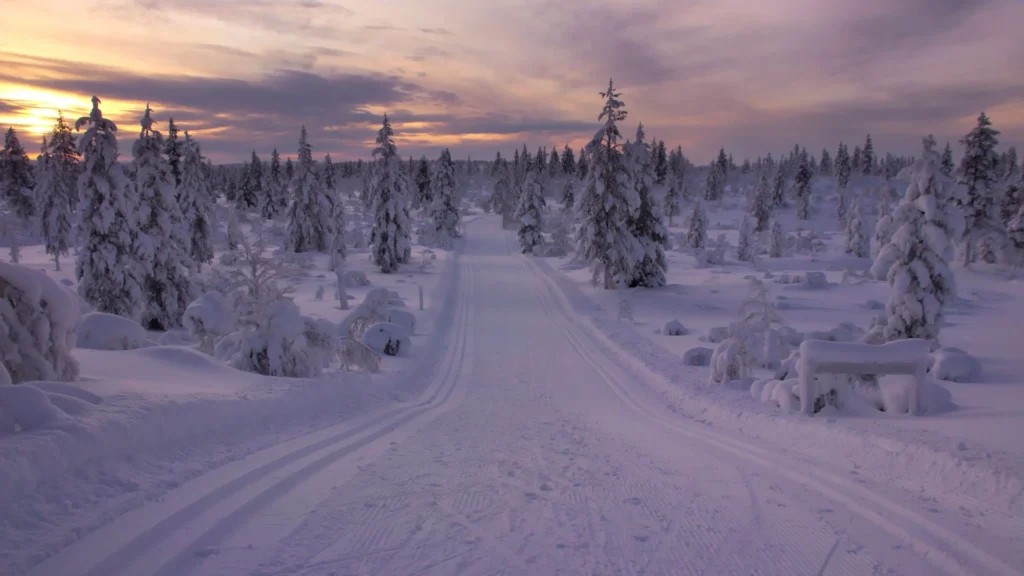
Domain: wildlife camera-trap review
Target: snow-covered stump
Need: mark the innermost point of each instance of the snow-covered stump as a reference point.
(909, 356)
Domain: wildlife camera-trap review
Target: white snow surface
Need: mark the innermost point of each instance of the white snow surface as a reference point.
(99, 331)
(529, 432)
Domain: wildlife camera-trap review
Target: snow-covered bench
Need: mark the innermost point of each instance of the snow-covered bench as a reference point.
(899, 357)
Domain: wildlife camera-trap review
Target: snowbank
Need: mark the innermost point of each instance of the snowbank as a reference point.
(388, 339)
(674, 328)
(954, 365)
(100, 331)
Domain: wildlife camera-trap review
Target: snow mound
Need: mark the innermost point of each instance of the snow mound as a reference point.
(815, 281)
(932, 396)
(38, 317)
(181, 357)
(387, 338)
(68, 389)
(403, 318)
(28, 406)
(717, 334)
(955, 365)
(175, 338)
(101, 331)
(210, 317)
(674, 328)
(698, 356)
(356, 279)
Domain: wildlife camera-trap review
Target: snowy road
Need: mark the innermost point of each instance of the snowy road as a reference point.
(531, 452)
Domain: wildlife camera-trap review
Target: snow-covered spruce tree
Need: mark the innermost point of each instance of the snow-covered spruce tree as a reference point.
(234, 232)
(1011, 170)
(646, 224)
(605, 241)
(855, 159)
(164, 240)
(174, 151)
(568, 162)
(843, 166)
(867, 157)
(251, 190)
(1013, 200)
(722, 161)
(274, 200)
(540, 162)
(779, 189)
(328, 181)
(339, 226)
(714, 186)
(916, 257)
(582, 165)
(66, 159)
(568, 194)
(196, 204)
(673, 198)
(54, 193)
(423, 197)
(777, 243)
(390, 235)
(948, 166)
(443, 211)
(309, 214)
(16, 180)
(109, 272)
(978, 177)
(530, 213)
(825, 167)
(501, 196)
(697, 235)
(802, 186)
(660, 163)
(554, 164)
(745, 246)
(761, 205)
(858, 243)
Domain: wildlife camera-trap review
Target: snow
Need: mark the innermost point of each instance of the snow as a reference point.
(674, 328)
(99, 331)
(29, 407)
(954, 365)
(388, 339)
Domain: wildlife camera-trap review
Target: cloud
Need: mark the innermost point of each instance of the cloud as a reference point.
(303, 18)
(438, 31)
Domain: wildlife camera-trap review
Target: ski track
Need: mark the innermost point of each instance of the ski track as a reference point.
(531, 452)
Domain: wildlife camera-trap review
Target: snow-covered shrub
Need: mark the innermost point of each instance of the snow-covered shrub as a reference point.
(674, 328)
(26, 406)
(322, 340)
(275, 344)
(716, 334)
(209, 318)
(954, 365)
(99, 331)
(932, 397)
(698, 356)
(815, 281)
(759, 324)
(38, 318)
(388, 339)
(356, 279)
(403, 318)
(777, 244)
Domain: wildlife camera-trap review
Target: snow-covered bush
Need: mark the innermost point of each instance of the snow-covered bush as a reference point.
(403, 318)
(716, 334)
(356, 279)
(276, 345)
(27, 407)
(815, 281)
(954, 365)
(38, 318)
(674, 328)
(388, 339)
(699, 356)
(99, 331)
(209, 318)
(759, 323)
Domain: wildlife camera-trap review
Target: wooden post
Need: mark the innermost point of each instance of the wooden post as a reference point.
(420, 286)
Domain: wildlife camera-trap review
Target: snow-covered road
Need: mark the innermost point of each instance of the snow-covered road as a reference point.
(532, 452)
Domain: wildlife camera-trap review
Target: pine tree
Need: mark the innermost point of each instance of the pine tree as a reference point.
(915, 260)
(568, 194)
(947, 165)
(55, 205)
(825, 168)
(541, 161)
(16, 180)
(530, 212)
(697, 235)
(109, 272)
(843, 166)
(776, 246)
(745, 245)
(803, 190)
(339, 250)
(673, 198)
(582, 165)
(778, 189)
(554, 164)
(568, 162)
(761, 205)
(423, 197)
(501, 196)
(327, 178)
(443, 211)
(196, 204)
(714, 186)
(289, 170)
(867, 157)
(309, 214)
(977, 176)
(234, 233)
(166, 245)
(646, 224)
(660, 163)
(605, 240)
(251, 191)
(66, 158)
(1013, 200)
(858, 157)
(390, 235)
(275, 196)
(173, 151)
(723, 164)
(1011, 170)
(497, 165)
(857, 241)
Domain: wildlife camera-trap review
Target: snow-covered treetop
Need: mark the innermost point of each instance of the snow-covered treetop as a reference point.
(385, 141)
(147, 123)
(611, 114)
(305, 149)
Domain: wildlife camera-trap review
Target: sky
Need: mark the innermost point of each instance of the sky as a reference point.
(753, 76)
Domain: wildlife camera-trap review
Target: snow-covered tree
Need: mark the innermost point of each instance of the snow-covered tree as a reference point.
(554, 164)
(673, 198)
(530, 213)
(568, 162)
(802, 187)
(196, 204)
(423, 197)
(843, 166)
(1011, 170)
(390, 235)
(605, 240)
(174, 151)
(443, 211)
(867, 157)
(165, 243)
(251, 191)
(779, 188)
(328, 181)
(714, 186)
(855, 161)
(339, 250)
(915, 260)
(309, 214)
(1013, 200)
(857, 241)
(274, 200)
(745, 246)
(697, 235)
(66, 158)
(948, 166)
(761, 204)
(109, 272)
(777, 243)
(568, 194)
(501, 196)
(978, 177)
(53, 191)
(234, 233)
(646, 224)
(825, 168)
(723, 163)
(582, 165)
(16, 180)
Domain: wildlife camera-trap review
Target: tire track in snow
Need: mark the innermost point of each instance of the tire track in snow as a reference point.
(887, 515)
